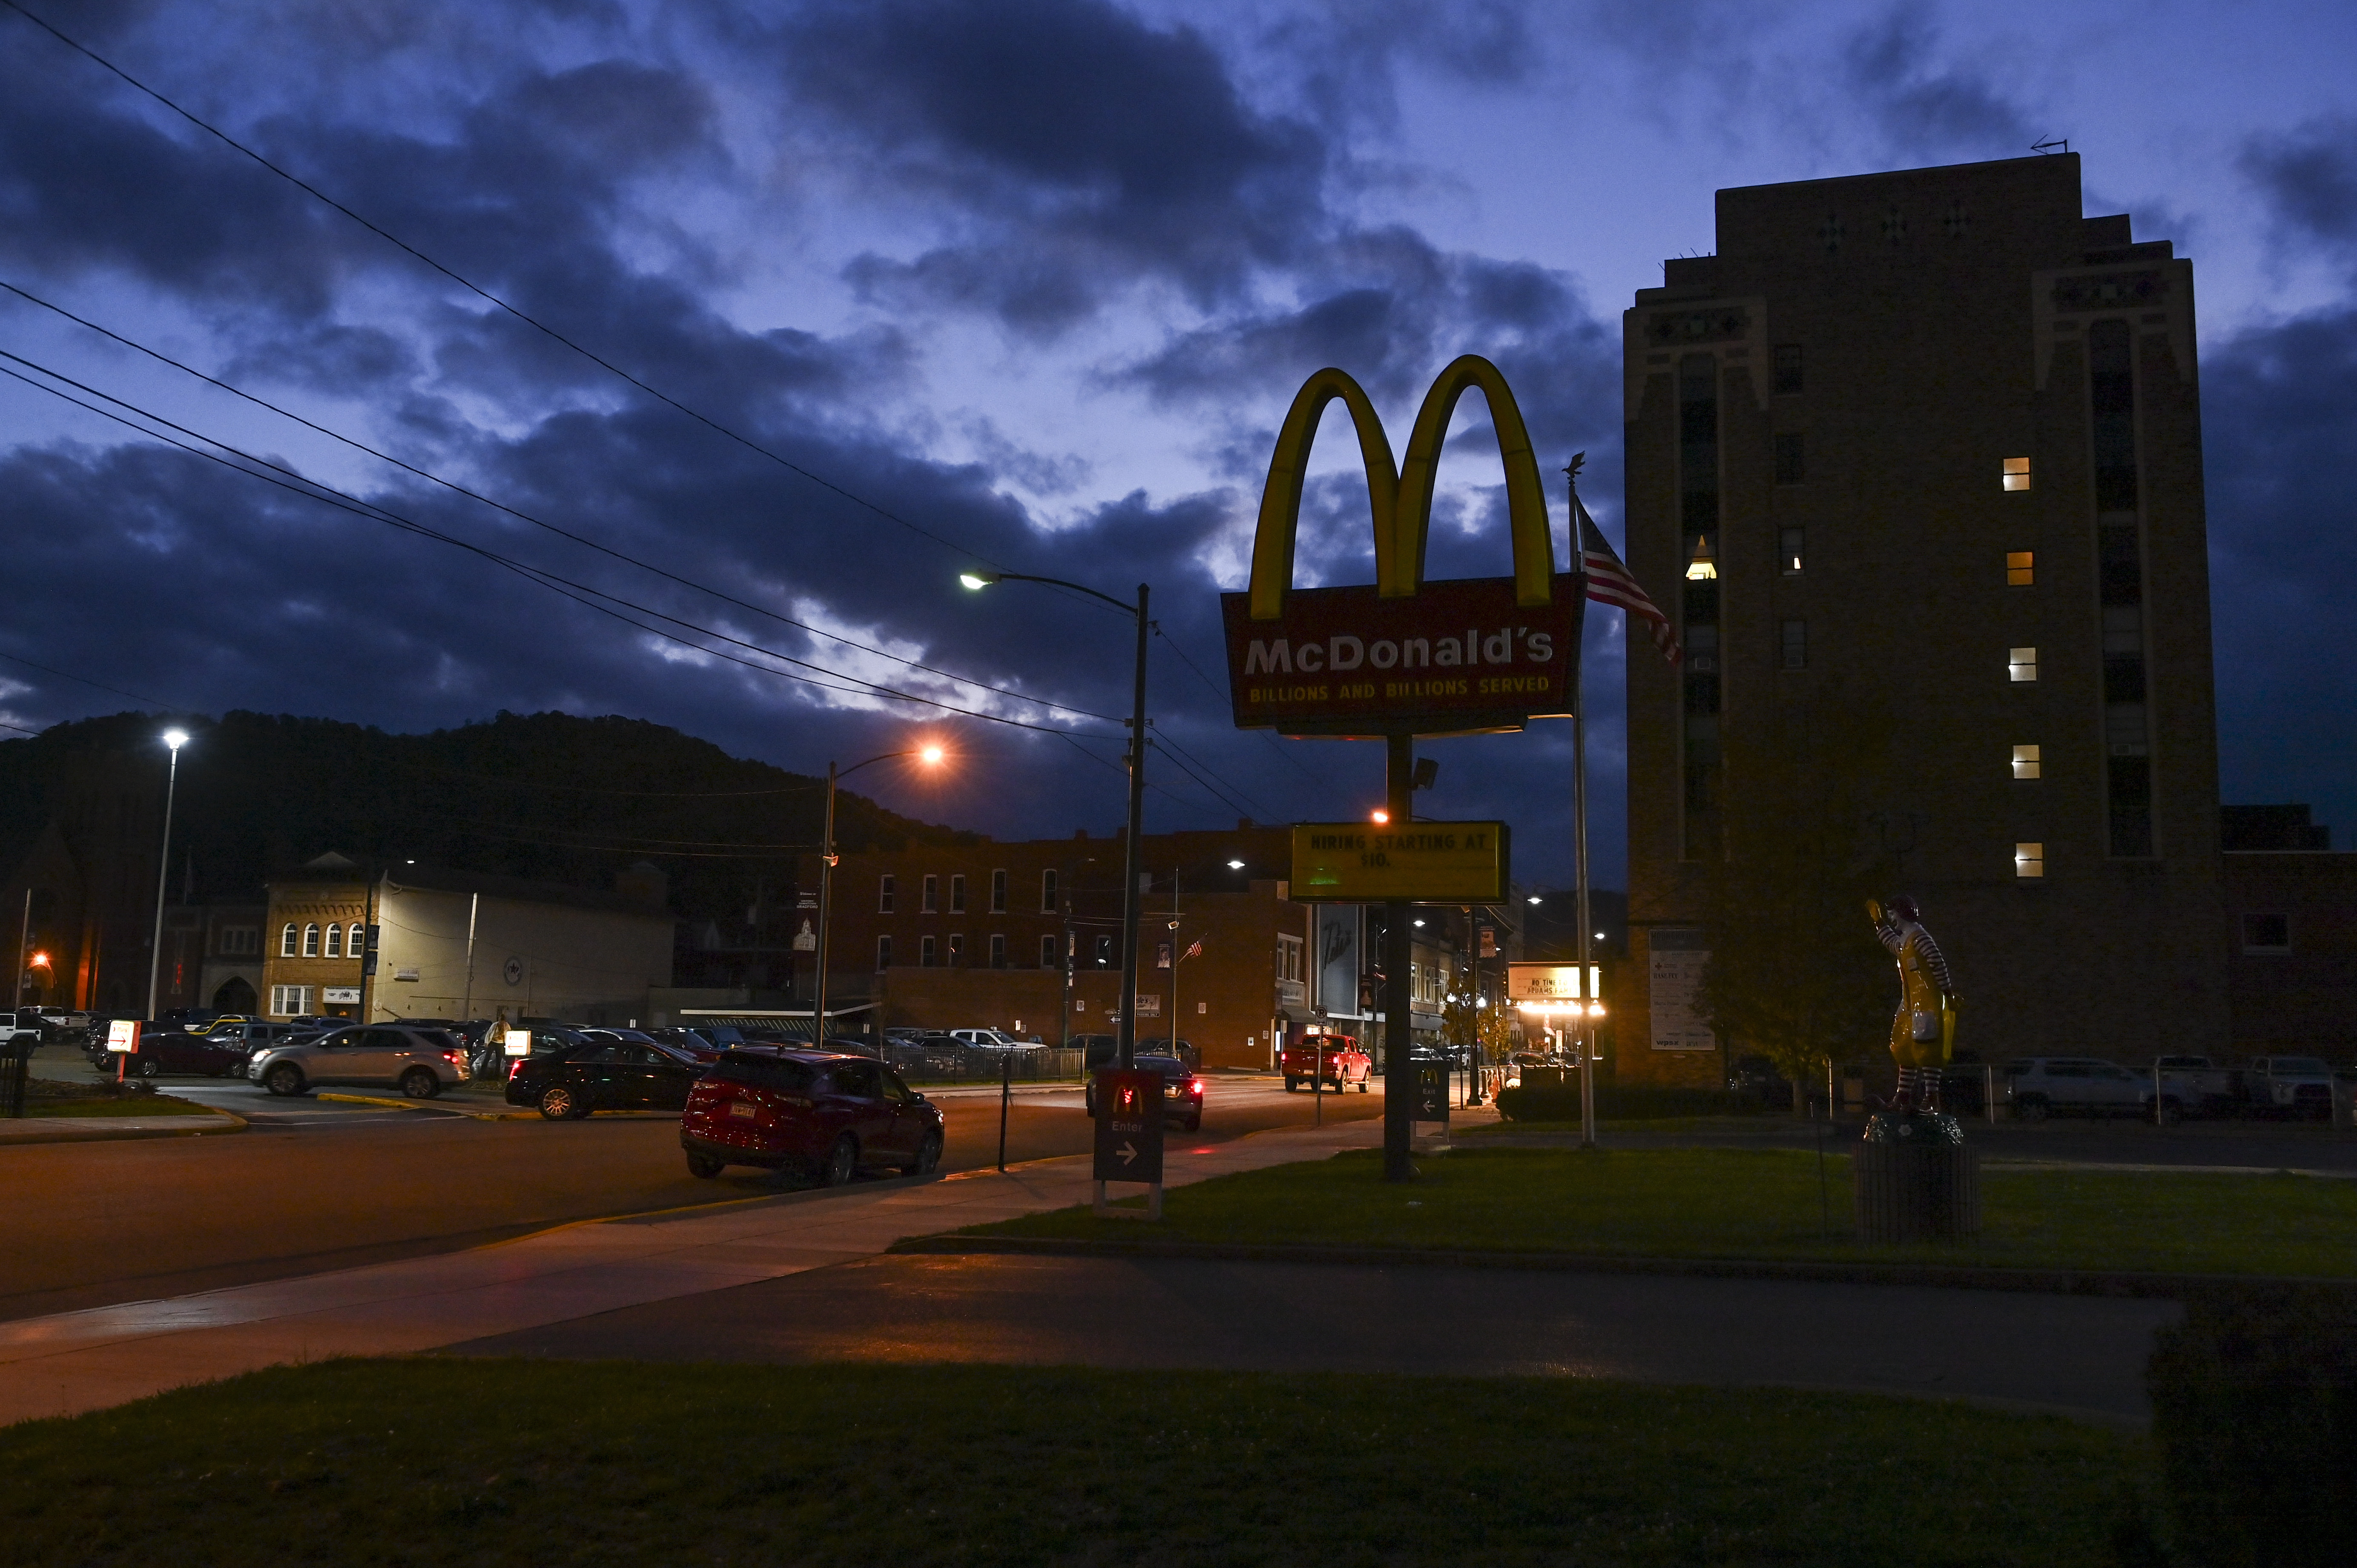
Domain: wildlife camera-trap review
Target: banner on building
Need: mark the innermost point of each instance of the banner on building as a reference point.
(1677, 957)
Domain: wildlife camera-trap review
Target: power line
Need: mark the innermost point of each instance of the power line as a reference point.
(1324, 785)
(560, 532)
(564, 587)
(484, 293)
(18, 658)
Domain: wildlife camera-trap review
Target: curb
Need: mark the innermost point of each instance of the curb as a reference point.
(428, 1105)
(2043, 1282)
(97, 1135)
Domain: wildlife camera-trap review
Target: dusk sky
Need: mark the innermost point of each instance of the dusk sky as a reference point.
(1026, 283)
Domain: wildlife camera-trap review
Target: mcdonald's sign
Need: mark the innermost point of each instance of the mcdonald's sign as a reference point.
(1404, 656)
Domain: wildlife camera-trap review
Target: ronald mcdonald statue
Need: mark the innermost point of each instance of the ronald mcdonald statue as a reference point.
(1923, 1030)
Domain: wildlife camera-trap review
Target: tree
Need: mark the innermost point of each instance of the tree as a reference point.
(1795, 972)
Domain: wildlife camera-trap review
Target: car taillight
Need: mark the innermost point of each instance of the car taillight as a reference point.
(454, 1058)
(1194, 1086)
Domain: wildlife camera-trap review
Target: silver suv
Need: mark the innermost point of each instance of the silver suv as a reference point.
(421, 1063)
(2085, 1084)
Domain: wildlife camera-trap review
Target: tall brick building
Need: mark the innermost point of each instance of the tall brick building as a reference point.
(1917, 458)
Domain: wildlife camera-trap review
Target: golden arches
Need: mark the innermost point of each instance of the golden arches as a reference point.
(1401, 498)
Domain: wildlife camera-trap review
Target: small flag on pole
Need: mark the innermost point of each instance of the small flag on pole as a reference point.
(1194, 951)
(1609, 582)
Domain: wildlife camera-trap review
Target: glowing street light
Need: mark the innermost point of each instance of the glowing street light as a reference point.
(1133, 847)
(174, 739)
(930, 755)
(1379, 816)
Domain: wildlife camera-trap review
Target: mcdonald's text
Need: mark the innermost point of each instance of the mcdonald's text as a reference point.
(1459, 656)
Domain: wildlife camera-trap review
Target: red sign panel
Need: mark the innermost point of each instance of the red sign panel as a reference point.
(1458, 658)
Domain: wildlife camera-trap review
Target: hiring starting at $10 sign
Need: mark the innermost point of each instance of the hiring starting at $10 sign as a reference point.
(1426, 863)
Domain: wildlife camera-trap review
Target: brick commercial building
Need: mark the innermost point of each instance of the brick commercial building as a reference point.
(978, 935)
(455, 944)
(1916, 460)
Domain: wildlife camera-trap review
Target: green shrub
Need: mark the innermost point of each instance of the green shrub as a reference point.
(2254, 1407)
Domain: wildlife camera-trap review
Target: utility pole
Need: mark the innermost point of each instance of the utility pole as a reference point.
(1399, 1066)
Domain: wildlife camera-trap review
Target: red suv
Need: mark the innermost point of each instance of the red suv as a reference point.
(824, 1115)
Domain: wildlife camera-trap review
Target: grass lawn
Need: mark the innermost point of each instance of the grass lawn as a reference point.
(428, 1461)
(1751, 1203)
(144, 1105)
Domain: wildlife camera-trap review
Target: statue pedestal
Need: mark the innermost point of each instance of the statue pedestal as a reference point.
(1915, 1179)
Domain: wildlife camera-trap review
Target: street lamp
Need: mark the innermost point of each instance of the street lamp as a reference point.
(929, 754)
(175, 739)
(1133, 851)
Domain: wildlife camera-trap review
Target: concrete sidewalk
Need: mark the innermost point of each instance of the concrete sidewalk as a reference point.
(103, 1129)
(87, 1360)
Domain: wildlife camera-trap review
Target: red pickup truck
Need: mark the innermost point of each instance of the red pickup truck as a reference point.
(1335, 1060)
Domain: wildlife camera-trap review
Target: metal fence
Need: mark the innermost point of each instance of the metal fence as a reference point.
(974, 1064)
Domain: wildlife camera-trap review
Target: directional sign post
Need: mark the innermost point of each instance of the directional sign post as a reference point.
(1129, 1136)
(1432, 1093)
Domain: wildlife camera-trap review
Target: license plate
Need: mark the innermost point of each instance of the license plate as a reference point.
(742, 1111)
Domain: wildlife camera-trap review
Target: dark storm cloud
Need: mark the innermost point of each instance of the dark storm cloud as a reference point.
(1922, 106)
(1402, 312)
(1082, 139)
(2310, 179)
(2280, 418)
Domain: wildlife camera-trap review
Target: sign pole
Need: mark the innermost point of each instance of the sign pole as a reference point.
(1586, 1033)
(1399, 1065)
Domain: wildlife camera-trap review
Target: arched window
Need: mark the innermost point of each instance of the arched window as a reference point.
(287, 941)
(355, 942)
(311, 941)
(335, 948)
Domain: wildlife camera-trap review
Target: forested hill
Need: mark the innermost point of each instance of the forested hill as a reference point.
(546, 796)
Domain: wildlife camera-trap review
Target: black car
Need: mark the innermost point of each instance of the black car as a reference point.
(610, 1074)
(1182, 1091)
(167, 1049)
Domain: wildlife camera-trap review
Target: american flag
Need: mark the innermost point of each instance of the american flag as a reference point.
(1609, 582)
(1194, 951)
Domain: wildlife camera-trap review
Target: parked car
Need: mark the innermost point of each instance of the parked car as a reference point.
(2290, 1086)
(826, 1115)
(2190, 1086)
(421, 1063)
(1325, 1058)
(246, 1036)
(989, 1040)
(168, 1048)
(699, 1038)
(1756, 1078)
(55, 1024)
(2039, 1086)
(1182, 1091)
(604, 1074)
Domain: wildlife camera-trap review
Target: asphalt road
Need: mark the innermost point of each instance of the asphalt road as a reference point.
(316, 1186)
(2080, 1356)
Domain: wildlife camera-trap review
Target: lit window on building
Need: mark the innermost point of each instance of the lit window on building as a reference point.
(1794, 644)
(2016, 473)
(2022, 664)
(2020, 568)
(2025, 762)
(2029, 860)
(1791, 550)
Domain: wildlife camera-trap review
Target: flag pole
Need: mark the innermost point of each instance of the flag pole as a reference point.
(1586, 1033)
